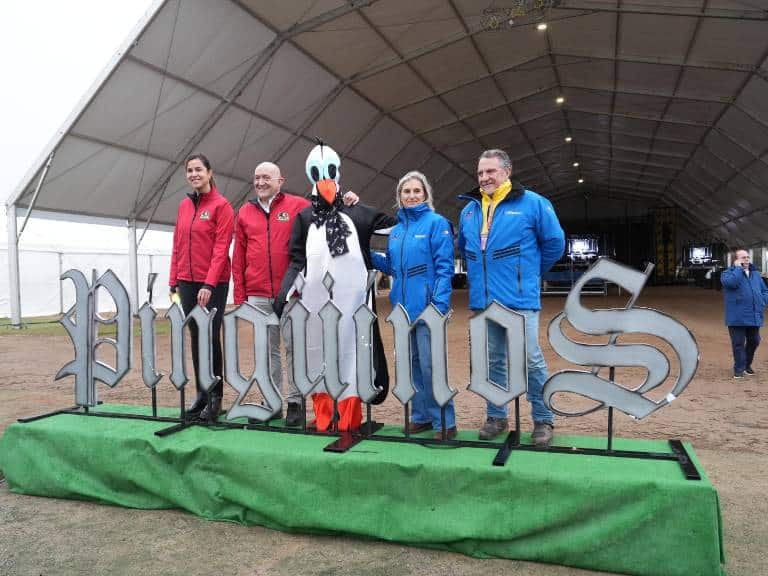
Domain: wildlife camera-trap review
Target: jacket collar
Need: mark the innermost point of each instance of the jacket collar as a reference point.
(275, 200)
(414, 213)
(475, 194)
(198, 199)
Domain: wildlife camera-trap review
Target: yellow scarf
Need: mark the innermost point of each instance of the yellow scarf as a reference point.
(489, 203)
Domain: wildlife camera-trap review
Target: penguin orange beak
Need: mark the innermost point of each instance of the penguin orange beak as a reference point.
(327, 189)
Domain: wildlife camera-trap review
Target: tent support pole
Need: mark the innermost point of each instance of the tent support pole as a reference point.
(37, 191)
(13, 267)
(133, 267)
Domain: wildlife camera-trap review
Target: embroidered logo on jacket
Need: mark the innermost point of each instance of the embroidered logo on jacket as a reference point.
(283, 216)
(205, 215)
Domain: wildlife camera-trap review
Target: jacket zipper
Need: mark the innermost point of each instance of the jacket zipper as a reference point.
(403, 271)
(269, 255)
(194, 215)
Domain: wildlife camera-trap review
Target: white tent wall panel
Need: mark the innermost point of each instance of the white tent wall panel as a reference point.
(44, 294)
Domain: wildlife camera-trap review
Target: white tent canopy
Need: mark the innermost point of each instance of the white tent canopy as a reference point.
(665, 101)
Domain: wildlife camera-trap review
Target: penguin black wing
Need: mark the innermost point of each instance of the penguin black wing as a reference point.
(367, 220)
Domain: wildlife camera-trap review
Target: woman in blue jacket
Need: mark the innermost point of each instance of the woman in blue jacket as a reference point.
(420, 260)
(745, 299)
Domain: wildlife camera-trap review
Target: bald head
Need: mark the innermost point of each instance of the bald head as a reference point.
(267, 180)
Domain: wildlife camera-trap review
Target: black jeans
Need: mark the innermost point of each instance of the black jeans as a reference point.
(744, 340)
(188, 295)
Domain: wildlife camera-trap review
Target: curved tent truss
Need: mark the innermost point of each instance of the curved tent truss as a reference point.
(665, 102)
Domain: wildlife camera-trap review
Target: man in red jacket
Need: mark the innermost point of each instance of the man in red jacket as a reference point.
(260, 259)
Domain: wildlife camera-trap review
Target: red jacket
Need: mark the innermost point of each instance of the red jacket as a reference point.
(260, 257)
(201, 240)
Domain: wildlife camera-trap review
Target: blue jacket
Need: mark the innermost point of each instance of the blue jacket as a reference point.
(524, 242)
(745, 297)
(420, 260)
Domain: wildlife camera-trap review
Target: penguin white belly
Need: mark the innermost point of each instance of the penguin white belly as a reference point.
(350, 276)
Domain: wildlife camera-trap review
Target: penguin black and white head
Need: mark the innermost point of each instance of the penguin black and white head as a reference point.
(324, 172)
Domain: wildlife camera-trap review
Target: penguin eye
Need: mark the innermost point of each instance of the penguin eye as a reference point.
(332, 171)
(315, 173)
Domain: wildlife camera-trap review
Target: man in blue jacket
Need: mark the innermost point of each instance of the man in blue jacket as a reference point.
(745, 299)
(509, 237)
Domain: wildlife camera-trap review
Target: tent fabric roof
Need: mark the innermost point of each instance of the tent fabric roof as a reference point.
(665, 101)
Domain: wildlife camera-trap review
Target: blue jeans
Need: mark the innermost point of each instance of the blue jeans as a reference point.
(537, 367)
(424, 407)
(744, 341)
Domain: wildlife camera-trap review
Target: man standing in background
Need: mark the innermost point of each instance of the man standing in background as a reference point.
(745, 299)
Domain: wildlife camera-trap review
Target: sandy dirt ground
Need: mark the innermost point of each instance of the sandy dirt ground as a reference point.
(725, 419)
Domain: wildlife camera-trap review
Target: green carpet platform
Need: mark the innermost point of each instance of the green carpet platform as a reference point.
(618, 515)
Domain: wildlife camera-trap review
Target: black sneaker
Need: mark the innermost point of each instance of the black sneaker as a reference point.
(738, 375)
(493, 427)
(293, 418)
(749, 371)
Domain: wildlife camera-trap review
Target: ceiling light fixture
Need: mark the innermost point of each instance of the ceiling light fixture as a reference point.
(541, 26)
(568, 138)
(581, 180)
(559, 99)
(575, 164)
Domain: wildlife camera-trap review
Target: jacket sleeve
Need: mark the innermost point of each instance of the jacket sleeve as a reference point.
(381, 262)
(764, 289)
(297, 250)
(550, 235)
(238, 261)
(441, 245)
(220, 254)
(730, 277)
(173, 273)
(461, 241)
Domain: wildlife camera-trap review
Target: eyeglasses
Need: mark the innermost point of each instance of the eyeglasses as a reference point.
(265, 179)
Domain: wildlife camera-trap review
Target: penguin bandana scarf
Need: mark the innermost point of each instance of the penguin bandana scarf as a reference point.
(336, 230)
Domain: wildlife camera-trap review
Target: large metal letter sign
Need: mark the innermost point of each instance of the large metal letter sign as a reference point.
(147, 315)
(261, 372)
(605, 322)
(498, 393)
(319, 330)
(204, 321)
(401, 324)
(83, 331)
(436, 324)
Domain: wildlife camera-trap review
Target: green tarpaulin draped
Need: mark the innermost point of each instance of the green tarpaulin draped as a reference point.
(618, 515)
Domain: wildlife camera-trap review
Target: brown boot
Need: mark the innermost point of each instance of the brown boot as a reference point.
(493, 427)
(542, 434)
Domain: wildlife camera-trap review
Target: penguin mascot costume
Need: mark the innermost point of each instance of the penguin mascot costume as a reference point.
(331, 237)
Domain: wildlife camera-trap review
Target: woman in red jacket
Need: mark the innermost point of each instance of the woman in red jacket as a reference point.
(200, 267)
